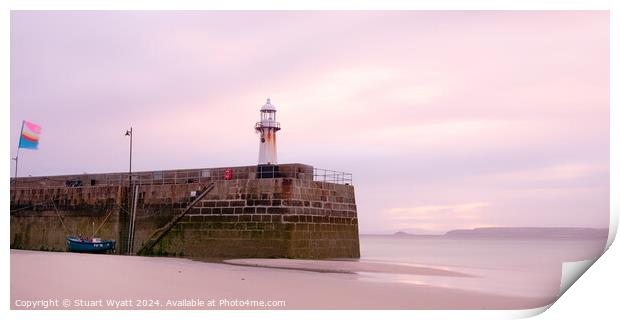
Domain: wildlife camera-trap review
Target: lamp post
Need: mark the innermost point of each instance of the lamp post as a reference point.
(127, 249)
(130, 134)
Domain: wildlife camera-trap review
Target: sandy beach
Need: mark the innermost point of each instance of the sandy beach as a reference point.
(92, 281)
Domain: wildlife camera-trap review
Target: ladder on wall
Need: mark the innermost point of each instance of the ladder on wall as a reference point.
(161, 232)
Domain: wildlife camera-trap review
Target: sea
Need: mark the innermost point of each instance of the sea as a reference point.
(519, 267)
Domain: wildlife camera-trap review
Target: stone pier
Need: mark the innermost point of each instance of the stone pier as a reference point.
(290, 215)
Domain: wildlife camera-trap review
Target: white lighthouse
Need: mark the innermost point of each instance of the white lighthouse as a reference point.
(267, 128)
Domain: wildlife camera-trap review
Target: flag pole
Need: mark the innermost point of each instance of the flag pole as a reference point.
(17, 153)
(16, 159)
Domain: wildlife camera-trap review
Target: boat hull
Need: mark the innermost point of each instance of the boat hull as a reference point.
(77, 245)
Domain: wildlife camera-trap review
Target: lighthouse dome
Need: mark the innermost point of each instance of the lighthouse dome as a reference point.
(268, 106)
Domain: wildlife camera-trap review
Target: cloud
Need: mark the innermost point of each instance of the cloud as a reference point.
(423, 107)
(435, 218)
(557, 173)
(433, 210)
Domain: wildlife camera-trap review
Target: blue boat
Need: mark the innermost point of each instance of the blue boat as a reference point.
(93, 245)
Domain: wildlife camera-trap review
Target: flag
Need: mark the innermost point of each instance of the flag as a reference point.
(29, 138)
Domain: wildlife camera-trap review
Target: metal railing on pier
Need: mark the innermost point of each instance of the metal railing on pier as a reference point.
(331, 176)
(179, 177)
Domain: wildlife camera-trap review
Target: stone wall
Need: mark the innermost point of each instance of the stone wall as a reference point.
(280, 217)
(42, 218)
(291, 216)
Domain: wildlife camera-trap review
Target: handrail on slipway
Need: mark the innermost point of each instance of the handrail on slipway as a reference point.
(158, 234)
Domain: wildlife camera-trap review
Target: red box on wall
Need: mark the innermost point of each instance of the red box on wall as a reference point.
(228, 174)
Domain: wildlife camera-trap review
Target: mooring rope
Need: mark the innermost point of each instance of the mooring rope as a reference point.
(104, 221)
(64, 227)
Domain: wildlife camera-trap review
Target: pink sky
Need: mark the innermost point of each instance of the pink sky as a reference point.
(446, 119)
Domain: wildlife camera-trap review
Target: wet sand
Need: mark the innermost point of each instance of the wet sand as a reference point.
(89, 278)
(347, 266)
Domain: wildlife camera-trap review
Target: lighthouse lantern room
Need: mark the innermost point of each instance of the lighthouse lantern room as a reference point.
(267, 128)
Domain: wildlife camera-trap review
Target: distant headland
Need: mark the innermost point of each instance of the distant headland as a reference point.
(530, 233)
(518, 233)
